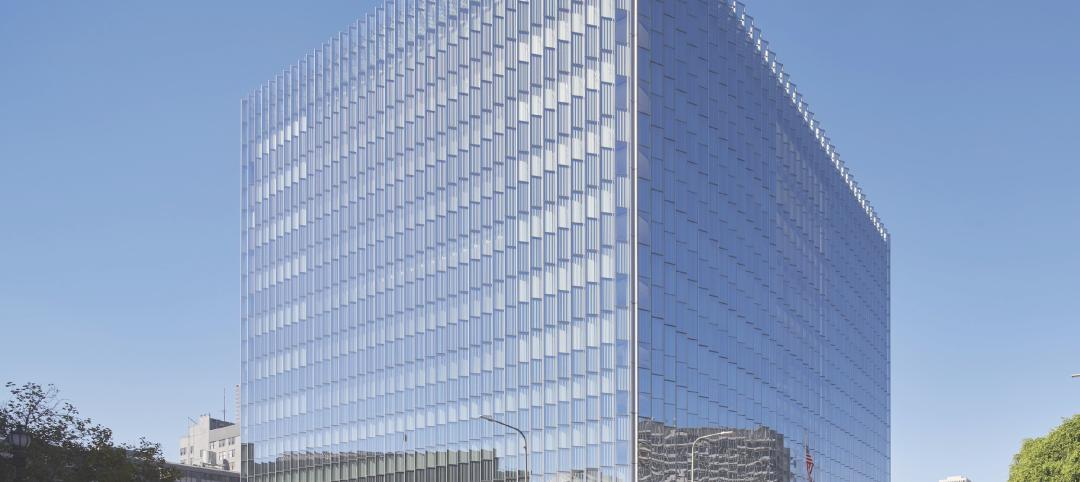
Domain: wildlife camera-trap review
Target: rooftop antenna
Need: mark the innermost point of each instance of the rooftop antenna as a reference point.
(236, 408)
(224, 390)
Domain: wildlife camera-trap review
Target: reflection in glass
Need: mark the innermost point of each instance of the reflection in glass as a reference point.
(435, 228)
(762, 275)
(611, 223)
(724, 454)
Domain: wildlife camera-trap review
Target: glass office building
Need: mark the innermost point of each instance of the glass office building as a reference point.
(612, 224)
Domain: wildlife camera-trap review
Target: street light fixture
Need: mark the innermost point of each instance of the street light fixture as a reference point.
(528, 475)
(693, 447)
(19, 440)
(1076, 375)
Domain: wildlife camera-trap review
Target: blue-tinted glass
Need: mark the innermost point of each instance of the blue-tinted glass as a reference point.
(430, 220)
(763, 278)
(611, 224)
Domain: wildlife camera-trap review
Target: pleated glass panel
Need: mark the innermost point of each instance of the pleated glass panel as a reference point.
(436, 228)
(763, 275)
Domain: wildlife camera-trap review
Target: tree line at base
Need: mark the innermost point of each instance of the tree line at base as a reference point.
(1053, 458)
(62, 445)
(65, 446)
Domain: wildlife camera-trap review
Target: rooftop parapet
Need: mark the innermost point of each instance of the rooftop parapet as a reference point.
(753, 34)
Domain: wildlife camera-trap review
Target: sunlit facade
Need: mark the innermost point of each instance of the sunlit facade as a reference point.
(611, 224)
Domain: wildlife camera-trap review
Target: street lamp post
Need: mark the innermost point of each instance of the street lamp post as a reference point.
(19, 440)
(528, 475)
(693, 448)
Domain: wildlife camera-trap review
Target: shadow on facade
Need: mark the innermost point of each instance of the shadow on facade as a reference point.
(729, 455)
(445, 466)
(474, 465)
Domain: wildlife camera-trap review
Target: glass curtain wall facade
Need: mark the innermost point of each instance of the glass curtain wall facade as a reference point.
(762, 274)
(435, 228)
(612, 224)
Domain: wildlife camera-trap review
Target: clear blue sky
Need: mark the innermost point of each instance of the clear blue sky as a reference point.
(119, 240)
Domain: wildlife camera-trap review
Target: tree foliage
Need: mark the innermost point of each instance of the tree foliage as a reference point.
(1053, 458)
(65, 446)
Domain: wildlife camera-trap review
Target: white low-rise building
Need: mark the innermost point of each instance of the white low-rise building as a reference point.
(211, 443)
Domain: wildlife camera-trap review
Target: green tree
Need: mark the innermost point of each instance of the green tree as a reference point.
(1053, 458)
(65, 446)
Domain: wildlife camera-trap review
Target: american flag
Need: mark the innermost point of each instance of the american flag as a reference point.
(809, 464)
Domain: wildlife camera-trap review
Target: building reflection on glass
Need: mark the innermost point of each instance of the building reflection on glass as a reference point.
(664, 454)
(465, 465)
(385, 467)
(727, 455)
(580, 217)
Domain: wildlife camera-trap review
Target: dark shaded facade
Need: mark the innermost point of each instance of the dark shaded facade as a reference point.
(190, 473)
(474, 465)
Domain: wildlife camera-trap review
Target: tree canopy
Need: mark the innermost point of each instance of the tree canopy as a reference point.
(65, 446)
(1053, 458)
